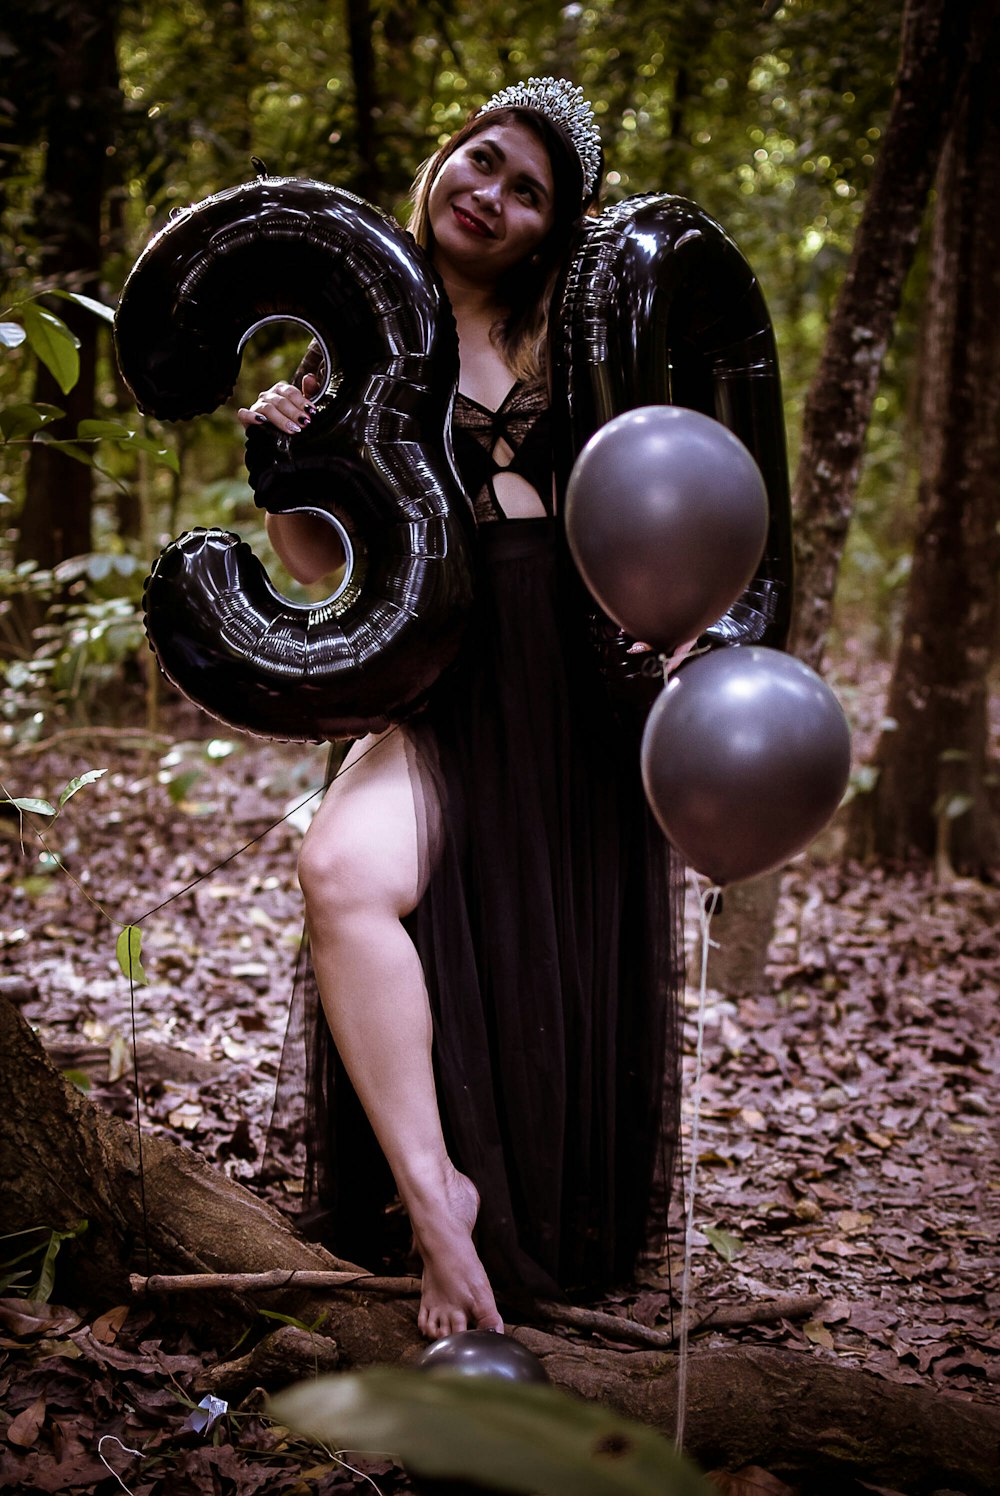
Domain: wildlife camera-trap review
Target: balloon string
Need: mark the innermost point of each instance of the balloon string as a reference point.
(706, 908)
(138, 1114)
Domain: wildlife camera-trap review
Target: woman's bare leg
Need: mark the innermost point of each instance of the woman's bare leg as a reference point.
(362, 870)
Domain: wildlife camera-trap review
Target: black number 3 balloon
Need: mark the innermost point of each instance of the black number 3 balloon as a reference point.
(375, 463)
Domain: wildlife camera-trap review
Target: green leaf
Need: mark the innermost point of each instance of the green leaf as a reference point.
(288, 1319)
(726, 1245)
(55, 345)
(37, 1234)
(114, 431)
(19, 421)
(78, 1078)
(47, 1273)
(28, 802)
(128, 949)
(68, 448)
(12, 1280)
(12, 334)
(93, 430)
(178, 787)
(98, 566)
(510, 1436)
(163, 456)
(106, 313)
(90, 777)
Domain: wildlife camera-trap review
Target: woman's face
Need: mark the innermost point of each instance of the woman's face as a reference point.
(492, 202)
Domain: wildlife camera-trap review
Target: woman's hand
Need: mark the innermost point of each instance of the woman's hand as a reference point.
(283, 405)
(308, 546)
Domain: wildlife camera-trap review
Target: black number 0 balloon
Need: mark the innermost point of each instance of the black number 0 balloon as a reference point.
(658, 306)
(375, 462)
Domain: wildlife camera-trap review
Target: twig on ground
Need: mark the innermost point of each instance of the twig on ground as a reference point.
(718, 1317)
(122, 737)
(274, 1279)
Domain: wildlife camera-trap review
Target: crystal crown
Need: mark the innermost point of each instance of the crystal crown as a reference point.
(565, 106)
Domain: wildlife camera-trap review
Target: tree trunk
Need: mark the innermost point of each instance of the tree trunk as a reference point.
(741, 933)
(934, 51)
(84, 101)
(931, 793)
(934, 54)
(360, 22)
(61, 1159)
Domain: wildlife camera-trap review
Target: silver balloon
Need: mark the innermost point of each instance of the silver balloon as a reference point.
(745, 757)
(666, 517)
(482, 1353)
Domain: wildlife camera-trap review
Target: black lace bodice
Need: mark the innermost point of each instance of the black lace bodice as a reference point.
(522, 422)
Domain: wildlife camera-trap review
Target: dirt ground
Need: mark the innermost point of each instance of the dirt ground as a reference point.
(847, 1109)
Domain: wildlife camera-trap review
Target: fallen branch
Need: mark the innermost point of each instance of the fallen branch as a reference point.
(718, 1317)
(125, 738)
(274, 1278)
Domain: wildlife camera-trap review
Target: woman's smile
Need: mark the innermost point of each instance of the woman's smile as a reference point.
(468, 220)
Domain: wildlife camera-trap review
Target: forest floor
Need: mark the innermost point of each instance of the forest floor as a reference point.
(848, 1134)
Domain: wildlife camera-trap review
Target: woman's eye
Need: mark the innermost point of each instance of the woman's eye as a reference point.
(528, 194)
(481, 158)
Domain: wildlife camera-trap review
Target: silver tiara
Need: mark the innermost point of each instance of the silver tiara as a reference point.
(565, 106)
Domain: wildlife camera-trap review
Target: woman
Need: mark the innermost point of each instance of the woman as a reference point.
(488, 904)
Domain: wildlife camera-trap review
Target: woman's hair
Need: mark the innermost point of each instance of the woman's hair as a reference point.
(527, 287)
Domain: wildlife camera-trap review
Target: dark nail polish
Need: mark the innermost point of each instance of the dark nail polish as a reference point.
(312, 410)
(261, 420)
(304, 420)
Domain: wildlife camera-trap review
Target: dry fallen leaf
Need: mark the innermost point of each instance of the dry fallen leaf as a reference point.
(751, 1480)
(105, 1329)
(29, 1317)
(23, 1430)
(850, 1221)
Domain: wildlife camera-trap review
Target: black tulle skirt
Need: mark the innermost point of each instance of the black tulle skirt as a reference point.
(549, 935)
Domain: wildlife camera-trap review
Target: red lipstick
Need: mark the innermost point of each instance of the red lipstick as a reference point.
(470, 222)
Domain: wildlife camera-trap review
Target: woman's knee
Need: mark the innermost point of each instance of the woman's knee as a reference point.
(329, 874)
(344, 874)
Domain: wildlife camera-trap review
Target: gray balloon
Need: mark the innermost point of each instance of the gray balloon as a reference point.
(745, 757)
(482, 1353)
(666, 517)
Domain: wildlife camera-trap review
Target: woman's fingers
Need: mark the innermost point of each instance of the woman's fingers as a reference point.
(283, 405)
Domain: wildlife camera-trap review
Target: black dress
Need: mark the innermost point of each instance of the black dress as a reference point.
(548, 933)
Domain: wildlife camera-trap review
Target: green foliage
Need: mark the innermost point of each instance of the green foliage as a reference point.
(723, 1242)
(505, 1436)
(56, 346)
(769, 116)
(37, 806)
(92, 629)
(186, 764)
(128, 951)
(36, 1281)
(50, 338)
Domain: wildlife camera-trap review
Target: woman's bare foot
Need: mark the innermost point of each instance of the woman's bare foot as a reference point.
(455, 1292)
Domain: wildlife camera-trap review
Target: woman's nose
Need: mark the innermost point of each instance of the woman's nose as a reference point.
(488, 196)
